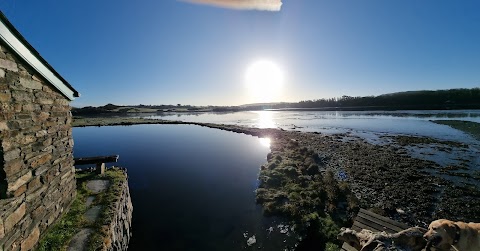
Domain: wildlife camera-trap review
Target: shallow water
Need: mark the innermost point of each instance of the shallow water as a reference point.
(192, 187)
(371, 126)
(361, 123)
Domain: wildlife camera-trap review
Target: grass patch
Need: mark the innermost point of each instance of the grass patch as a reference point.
(295, 184)
(60, 234)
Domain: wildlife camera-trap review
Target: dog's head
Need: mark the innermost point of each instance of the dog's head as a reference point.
(441, 234)
(349, 236)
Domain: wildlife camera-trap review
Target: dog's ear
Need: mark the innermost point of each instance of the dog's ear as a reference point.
(451, 231)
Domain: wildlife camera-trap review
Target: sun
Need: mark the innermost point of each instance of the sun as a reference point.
(264, 80)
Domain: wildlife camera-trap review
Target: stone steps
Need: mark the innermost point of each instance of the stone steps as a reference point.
(80, 240)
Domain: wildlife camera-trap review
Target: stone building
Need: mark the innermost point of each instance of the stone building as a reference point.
(37, 179)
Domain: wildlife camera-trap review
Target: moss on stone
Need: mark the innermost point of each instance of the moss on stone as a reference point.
(59, 235)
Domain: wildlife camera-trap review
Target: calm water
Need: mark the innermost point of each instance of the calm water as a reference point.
(192, 188)
(369, 125)
(361, 123)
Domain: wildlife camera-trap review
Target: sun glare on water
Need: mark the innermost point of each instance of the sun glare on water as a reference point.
(265, 142)
(264, 80)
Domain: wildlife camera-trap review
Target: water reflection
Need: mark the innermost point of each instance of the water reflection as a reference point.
(265, 142)
(265, 119)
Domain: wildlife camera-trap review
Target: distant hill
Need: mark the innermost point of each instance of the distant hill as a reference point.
(410, 100)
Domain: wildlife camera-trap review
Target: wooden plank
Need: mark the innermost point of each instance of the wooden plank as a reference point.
(96, 160)
(361, 226)
(374, 222)
(347, 247)
(377, 224)
(356, 228)
(384, 219)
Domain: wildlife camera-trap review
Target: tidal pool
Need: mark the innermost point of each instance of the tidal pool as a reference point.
(192, 188)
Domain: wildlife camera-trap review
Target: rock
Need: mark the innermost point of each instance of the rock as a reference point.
(89, 201)
(97, 186)
(80, 240)
(31, 240)
(252, 240)
(92, 214)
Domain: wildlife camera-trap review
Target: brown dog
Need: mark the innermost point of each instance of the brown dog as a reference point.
(446, 235)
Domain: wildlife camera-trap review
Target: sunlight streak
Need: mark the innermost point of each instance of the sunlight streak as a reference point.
(265, 119)
(265, 142)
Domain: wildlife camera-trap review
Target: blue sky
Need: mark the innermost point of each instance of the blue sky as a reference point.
(169, 52)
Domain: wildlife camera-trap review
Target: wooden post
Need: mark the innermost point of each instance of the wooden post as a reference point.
(100, 168)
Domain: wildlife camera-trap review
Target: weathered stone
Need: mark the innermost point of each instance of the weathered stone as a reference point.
(11, 155)
(40, 160)
(38, 213)
(30, 84)
(35, 195)
(22, 189)
(2, 229)
(31, 240)
(92, 214)
(28, 108)
(41, 133)
(21, 96)
(34, 184)
(80, 240)
(3, 126)
(27, 139)
(8, 65)
(13, 167)
(97, 186)
(15, 217)
(5, 96)
(19, 182)
(44, 101)
(2, 73)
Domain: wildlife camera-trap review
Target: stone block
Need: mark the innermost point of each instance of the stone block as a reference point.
(13, 186)
(11, 155)
(18, 110)
(9, 242)
(41, 133)
(5, 96)
(13, 167)
(22, 96)
(8, 65)
(34, 184)
(15, 217)
(20, 190)
(3, 126)
(38, 213)
(2, 229)
(27, 139)
(44, 101)
(35, 195)
(30, 84)
(31, 240)
(2, 73)
(40, 160)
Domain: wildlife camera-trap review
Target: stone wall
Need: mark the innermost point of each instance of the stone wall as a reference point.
(119, 230)
(36, 141)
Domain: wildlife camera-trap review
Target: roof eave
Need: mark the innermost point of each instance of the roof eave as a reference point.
(26, 52)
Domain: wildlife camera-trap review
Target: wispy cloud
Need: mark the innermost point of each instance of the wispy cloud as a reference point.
(266, 5)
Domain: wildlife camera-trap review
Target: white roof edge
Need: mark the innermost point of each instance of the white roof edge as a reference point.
(9, 38)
